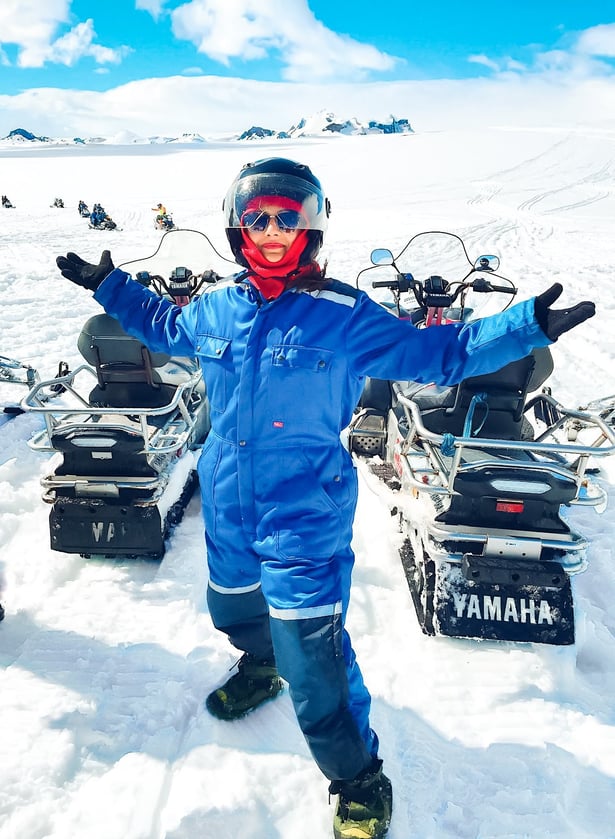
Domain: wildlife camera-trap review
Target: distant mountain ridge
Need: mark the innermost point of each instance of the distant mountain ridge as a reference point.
(21, 136)
(326, 122)
(323, 122)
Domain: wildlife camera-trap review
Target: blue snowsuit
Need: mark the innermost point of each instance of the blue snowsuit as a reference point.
(279, 489)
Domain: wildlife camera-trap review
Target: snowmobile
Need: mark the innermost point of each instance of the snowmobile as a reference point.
(83, 209)
(58, 202)
(128, 427)
(6, 203)
(164, 222)
(102, 223)
(479, 474)
(16, 377)
(100, 219)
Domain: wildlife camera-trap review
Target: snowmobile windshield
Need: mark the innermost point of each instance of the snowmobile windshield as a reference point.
(301, 201)
(190, 250)
(440, 260)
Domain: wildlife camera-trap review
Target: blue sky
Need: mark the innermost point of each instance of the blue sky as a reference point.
(85, 45)
(83, 68)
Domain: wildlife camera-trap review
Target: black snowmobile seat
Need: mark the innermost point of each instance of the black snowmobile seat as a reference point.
(445, 409)
(129, 375)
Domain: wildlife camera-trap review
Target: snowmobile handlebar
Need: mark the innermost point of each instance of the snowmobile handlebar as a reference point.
(406, 282)
(402, 282)
(481, 285)
(437, 292)
(181, 282)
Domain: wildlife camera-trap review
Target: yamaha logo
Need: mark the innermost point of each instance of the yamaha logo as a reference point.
(102, 531)
(505, 609)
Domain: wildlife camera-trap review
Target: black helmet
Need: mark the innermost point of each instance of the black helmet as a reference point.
(277, 176)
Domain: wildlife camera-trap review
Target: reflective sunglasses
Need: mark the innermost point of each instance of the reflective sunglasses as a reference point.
(286, 220)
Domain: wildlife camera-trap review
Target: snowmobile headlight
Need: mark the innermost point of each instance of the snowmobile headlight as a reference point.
(520, 487)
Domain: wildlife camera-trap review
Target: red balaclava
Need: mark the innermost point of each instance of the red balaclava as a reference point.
(271, 278)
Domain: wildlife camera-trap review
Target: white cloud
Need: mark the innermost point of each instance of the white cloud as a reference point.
(69, 48)
(31, 26)
(154, 7)
(599, 40)
(253, 29)
(25, 22)
(484, 61)
(582, 57)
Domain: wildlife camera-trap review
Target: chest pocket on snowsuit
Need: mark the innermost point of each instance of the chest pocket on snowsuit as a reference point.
(215, 357)
(300, 376)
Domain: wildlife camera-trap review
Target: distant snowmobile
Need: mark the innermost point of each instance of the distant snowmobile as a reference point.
(100, 220)
(6, 203)
(83, 209)
(164, 222)
(104, 223)
(58, 202)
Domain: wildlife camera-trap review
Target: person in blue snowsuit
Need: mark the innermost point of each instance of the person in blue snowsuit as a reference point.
(97, 215)
(285, 351)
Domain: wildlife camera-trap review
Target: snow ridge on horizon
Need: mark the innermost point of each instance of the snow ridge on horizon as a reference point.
(315, 125)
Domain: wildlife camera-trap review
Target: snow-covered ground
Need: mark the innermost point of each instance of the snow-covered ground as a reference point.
(106, 664)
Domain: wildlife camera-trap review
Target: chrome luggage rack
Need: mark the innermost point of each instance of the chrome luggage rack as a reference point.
(163, 429)
(441, 458)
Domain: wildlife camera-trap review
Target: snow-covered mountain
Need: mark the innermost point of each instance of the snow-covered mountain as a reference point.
(323, 122)
(327, 122)
(21, 136)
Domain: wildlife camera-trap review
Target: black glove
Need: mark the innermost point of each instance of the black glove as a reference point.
(83, 273)
(555, 321)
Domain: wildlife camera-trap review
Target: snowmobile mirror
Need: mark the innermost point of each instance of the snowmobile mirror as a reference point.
(381, 256)
(487, 262)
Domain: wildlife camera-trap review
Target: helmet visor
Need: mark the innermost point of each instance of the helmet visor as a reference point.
(299, 205)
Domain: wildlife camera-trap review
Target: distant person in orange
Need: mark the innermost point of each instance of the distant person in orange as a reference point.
(160, 211)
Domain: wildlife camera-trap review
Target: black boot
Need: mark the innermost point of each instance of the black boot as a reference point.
(364, 805)
(255, 682)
